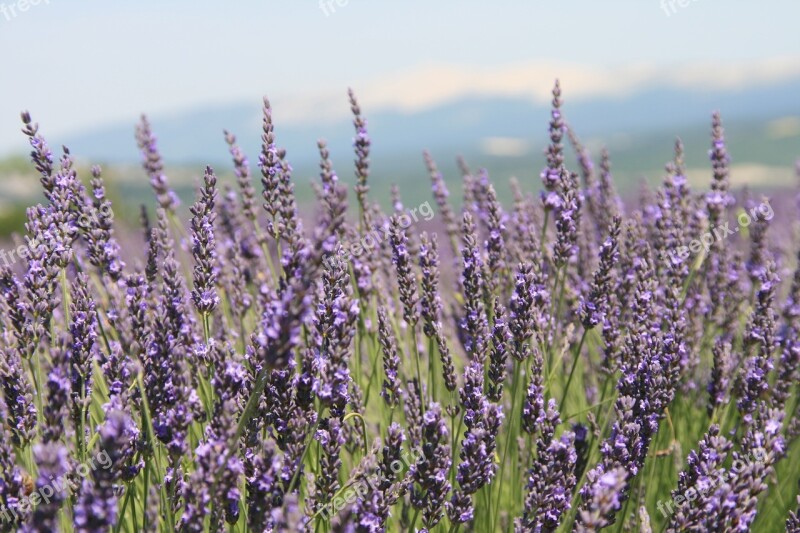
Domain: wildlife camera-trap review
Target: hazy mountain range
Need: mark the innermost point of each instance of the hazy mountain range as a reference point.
(506, 135)
(490, 124)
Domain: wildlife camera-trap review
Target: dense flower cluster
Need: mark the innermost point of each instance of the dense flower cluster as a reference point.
(553, 366)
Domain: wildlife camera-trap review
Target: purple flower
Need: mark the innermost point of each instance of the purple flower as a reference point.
(331, 438)
(431, 305)
(334, 325)
(333, 199)
(554, 152)
(18, 395)
(41, 156)
(793, 522)
(789, 361)
(441, 194)
(526, 302)
(153, 165)
(59, 392)
(96, 509)
(264, 492)
(361, 144)
(104, 250)
(567, 219)
(477, 467)
(759, 344)
(735, 500)
(719, 199)
(52, 461)
(602, 498)
(269, 163)
(391, 361)
(498, 357)
(204, 293)
(703, 472)
(495, 246)
(474, 323)
(609, 204)
(11, 480)
(551, 479)
(213, 488)
(406, 279)
(412, 409)
(720, 375)
(242, 170)
(533, 408)
(593, 309)
(430, 470)
(81, 354)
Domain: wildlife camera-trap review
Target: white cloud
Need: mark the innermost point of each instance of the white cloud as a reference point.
(431, 85)
(505, 146)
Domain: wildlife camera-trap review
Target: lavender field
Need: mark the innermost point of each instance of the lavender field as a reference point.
(569, 362)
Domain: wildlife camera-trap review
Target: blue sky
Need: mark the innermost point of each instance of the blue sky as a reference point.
(75, 64)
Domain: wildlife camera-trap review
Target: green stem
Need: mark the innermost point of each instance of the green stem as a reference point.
(419, 373)
(432, 374)
(148, 424)
(575, 359)
(128, 492)
(251, 406)
(544, 229)
(146, 490)
(35, 364)
(413, 521)
(510, 437)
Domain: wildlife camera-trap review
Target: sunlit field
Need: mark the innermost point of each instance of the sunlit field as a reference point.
(564, 361)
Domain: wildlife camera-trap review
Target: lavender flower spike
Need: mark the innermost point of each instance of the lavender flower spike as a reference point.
(594, 308)
(719, 198)
(391, 361)
(793, 522)
(498, 357)
(11, 480)
(551, 480)
(59, 391)
(704, 469)
(53, 463)
(270, 165)
(204, 293)
(759, 344)
(474, 323)
(104, 250)
(568, 219)
(603, 499)
(96, 510)
(154, 166)
(18, 396)
(555, 153)
(362, 145)
(243, 178)
(430, 470)
(406, 279)
(431, 305)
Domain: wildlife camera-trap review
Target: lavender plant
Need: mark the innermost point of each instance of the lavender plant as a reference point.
(569, 363)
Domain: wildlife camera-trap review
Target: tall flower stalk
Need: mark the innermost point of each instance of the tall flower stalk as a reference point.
(546, 370)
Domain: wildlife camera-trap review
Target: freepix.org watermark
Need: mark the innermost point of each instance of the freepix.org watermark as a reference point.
(12, 10)
(679, 499)
(329, 6)
(671, 6)
(763, 211)
(360, 488)
(61, 486)
(84, 220)
(371, 240)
